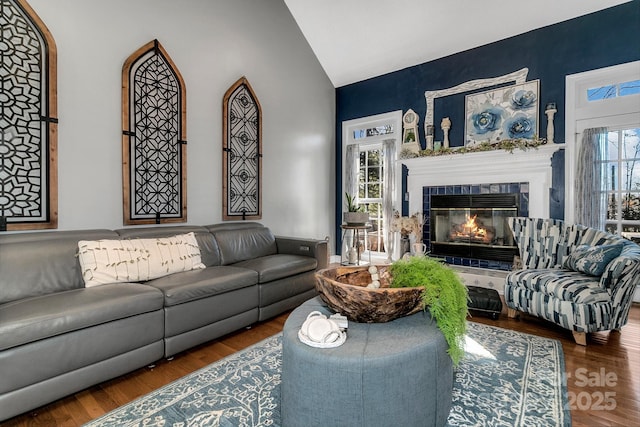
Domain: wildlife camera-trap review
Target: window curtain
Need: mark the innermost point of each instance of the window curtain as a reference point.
(352, 170)
(389, 173)
(591, 201)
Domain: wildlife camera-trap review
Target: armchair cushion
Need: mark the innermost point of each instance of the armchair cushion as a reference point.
(564, 285)
(592, 260)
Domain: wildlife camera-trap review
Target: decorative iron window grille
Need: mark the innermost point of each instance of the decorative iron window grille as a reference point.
(28, 120)
(153, 138)
(242, 153)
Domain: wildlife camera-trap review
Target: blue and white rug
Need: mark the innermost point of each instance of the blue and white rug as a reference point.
(506, 378)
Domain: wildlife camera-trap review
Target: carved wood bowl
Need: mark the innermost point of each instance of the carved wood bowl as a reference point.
(345, 291)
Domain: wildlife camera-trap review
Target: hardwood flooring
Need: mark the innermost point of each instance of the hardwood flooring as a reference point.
(603, 378)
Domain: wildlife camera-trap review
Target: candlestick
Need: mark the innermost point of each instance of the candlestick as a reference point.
(446, 125)
(550, 112)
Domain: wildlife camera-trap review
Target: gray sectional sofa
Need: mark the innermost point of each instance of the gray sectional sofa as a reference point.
(58, 337)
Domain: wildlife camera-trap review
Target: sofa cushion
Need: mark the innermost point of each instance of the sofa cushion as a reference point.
(243, 244)
(193, 285)
(134, 260)
(592, 260)
(565, 285)
(33, 264)
(274, 267)
(209, 251)
(37, 318)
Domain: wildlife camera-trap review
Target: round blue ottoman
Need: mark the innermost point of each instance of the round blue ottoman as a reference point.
(386, 374)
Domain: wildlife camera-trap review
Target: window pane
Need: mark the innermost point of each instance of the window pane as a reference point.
(630, 175)
(374, 157)
(630, 227)
(629, 88)
(373, 191)
(630, 164)
(611, 152)
(631, 206)
(610, 176)
(373, 174)
(631, 144)
(373, 131)
(612, 206)
(599, 93)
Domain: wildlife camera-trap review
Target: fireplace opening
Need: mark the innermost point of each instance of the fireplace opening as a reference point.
(473, 225)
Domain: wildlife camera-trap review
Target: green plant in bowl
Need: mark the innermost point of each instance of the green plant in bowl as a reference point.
(352, 206)
(444, 295)
(355, 215)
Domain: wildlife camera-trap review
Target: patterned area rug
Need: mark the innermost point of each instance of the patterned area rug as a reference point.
(506, 378)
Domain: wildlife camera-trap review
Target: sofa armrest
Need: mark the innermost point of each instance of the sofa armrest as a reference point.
(315, 248)
(622, 272)
(620, 278)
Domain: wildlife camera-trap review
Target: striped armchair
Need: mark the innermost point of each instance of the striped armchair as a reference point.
(580, 278)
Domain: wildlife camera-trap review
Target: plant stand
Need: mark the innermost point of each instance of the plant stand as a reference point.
(353, 246)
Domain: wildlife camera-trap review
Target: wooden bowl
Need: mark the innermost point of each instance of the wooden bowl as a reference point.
(344, 289)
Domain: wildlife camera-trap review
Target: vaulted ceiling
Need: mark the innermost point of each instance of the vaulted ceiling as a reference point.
(358, 39)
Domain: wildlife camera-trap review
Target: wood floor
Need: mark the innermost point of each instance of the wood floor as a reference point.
(603, 379)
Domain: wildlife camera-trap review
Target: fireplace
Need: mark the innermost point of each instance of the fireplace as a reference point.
(528, 173)
(473, 225)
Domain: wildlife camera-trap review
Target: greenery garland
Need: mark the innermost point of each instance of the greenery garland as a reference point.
(506, 144)
(444, 295)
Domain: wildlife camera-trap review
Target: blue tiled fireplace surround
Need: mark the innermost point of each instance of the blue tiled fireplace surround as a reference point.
(510, 187)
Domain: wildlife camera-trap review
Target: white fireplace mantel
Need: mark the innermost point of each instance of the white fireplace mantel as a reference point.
(486, 167)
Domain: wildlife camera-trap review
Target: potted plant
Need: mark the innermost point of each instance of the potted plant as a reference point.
(355, 214)
(444, 295)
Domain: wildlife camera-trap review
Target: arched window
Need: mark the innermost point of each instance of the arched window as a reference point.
(154, 168)
(28, 120)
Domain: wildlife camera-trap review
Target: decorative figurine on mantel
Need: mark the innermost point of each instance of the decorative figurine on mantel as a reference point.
(550, 110)
(446, 125)
(410, 133)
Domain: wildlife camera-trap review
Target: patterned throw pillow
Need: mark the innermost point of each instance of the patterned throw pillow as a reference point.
(592, 260)
(137, 260)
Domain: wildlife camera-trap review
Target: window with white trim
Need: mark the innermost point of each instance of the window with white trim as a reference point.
(368, 172)
(370, 191)
(621, 181)
(607, 98)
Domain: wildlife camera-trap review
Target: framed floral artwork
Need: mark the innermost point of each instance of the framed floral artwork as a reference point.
(509, 112)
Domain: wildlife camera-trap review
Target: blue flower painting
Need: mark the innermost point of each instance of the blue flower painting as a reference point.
(520, 126)
(487, 120)
(522, 99)
(509, 112)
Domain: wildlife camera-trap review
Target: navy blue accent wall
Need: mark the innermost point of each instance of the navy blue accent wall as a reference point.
(601, 39)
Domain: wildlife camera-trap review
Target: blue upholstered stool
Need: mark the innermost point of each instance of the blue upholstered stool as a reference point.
(391, 374)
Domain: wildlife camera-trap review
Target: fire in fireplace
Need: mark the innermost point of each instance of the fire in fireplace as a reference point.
(473, 225)
(472, 231)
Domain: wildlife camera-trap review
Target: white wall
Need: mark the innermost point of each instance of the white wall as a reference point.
(213, 43)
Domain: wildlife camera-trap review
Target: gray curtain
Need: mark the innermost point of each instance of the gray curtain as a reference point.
(352, 170)
(389, 172)
(590, 199)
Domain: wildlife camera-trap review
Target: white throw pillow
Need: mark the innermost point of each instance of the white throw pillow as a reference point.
(137, 260)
